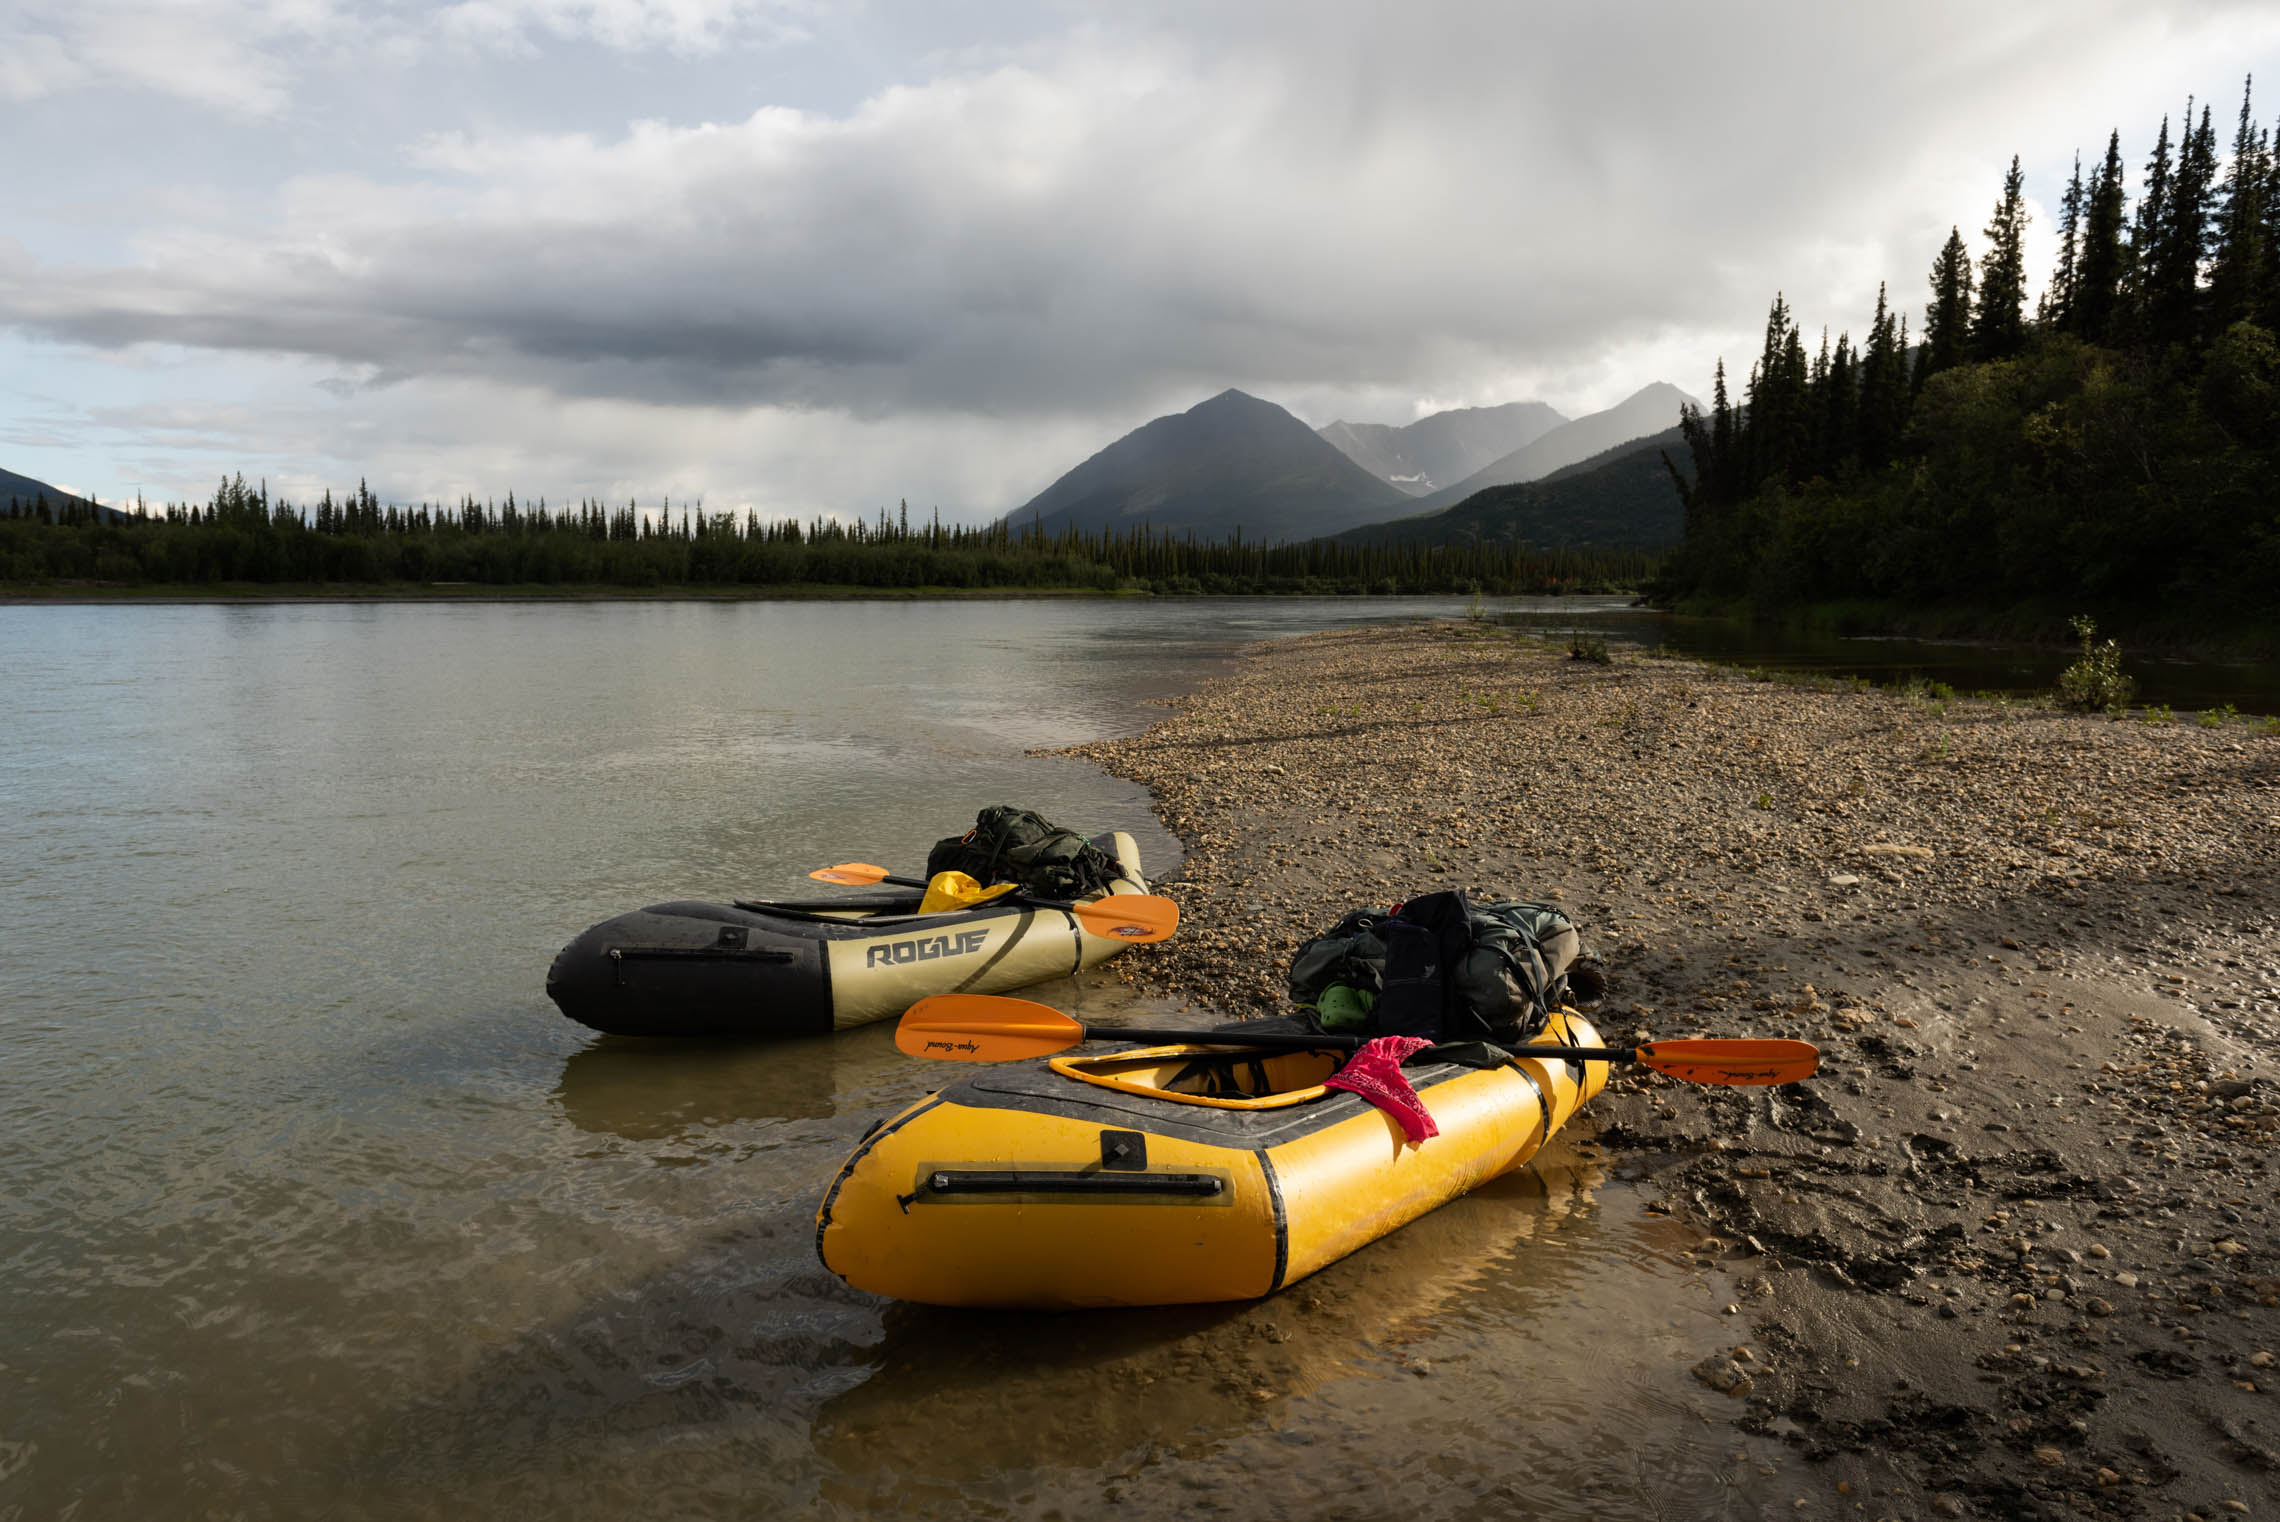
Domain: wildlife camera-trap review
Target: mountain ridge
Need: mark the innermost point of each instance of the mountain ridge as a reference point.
(1443, 447)
(1621, 498)
(1650, 410)
(26, 491)
(1233, 463)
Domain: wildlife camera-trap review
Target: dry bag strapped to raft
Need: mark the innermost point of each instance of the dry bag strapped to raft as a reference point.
(1444, 968)
(1014, 845)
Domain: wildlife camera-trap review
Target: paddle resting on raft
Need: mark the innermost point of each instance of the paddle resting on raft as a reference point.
(987, 1028)
(1137, 917)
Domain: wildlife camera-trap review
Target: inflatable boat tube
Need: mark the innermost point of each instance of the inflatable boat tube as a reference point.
(1170, 1174)
(795, 968)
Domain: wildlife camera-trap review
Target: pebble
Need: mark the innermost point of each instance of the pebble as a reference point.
(1723, 1375)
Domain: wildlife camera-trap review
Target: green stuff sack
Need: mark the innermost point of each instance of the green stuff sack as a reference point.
(1014, 845)
(1350, 954)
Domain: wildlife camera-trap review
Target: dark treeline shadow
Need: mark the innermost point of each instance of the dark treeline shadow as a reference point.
(244, 536)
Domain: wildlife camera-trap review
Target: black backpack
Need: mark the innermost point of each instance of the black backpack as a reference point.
(1010, 845)
(1449, 970)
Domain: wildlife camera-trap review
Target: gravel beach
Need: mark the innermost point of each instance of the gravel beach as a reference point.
(2012, 1253)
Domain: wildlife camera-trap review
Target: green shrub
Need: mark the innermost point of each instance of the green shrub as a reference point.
(2095, 683)
(2157, 714)
(1589, 647)
(2218, 717)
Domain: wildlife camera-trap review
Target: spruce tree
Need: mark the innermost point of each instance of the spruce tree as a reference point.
(2172, 284)
(1947, 321)
(1694, 495)
(2141, 254)
(1840, 410)
(2265, 308)
(1883, 389)
(1998, 327)
(2056, 309)
(2099, 268)
(2236, 275)
(1815, 432)
(1792, 444)
(1725, 445)
(1774, 432)
(1761, 401)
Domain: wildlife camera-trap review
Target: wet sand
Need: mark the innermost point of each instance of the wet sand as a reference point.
(2012, 1252)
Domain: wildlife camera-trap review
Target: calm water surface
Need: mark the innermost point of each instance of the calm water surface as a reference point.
(314, 1206)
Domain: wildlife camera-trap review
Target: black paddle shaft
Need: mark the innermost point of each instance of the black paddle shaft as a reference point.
(1302, 1041)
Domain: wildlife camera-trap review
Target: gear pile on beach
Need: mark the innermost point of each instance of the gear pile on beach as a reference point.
(2013, 1252)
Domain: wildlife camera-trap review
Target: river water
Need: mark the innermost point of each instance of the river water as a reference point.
(311, 1205)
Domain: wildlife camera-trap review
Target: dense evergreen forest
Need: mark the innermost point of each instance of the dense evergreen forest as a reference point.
(2116, 448)
(243, 537)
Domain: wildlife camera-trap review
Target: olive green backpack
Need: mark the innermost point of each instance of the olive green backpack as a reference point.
(1014, 845)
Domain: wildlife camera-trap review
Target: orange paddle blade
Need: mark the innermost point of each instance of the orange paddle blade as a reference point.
(1130, 916)
(1740, 1062)
(984, 1028)
(855, 874)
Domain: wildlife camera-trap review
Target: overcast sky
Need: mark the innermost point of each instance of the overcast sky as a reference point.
(807, 257)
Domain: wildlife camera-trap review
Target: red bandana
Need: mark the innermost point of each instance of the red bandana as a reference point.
(1374, 1072)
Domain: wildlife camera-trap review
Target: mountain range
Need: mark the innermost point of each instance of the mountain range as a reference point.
(1232, 464)
(1238, 465)
(1621, 498)
(1649, 410)
(1444, 448)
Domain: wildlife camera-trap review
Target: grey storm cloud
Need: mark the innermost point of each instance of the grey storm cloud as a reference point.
(818, 256)
(1326, 195)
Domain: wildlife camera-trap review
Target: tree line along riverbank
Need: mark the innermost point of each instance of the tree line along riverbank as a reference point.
(243, 536)
(2117, 447)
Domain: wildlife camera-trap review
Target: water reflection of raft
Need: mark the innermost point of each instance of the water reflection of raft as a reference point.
(1170, 1174)
(786, 968)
